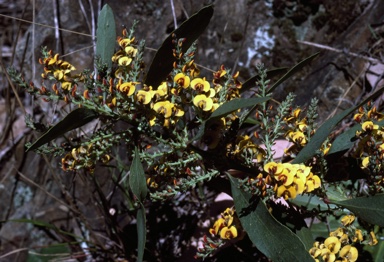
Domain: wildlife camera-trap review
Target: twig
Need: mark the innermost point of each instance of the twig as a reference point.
(173, 14)
(26, 179)
(44, 25)
(14, 252)
(346, 92)
(373, 60)
(13, 87)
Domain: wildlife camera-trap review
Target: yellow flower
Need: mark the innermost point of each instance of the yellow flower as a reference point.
(328, 256)
(349, 252)
(162, 90)
(357, 117)
(312, 183)
(286, 192)
(58, 74)
(130, 51)
(182, 80)
(143, 97)
(326, 148)
(123, 42)
(128, 88)
(164, 108)
(200, 85)
(217, 226)
(347, 220)
(337, 233)
(124, 61)
(66, 85)
(373, 114)
(203, 102)
(286, 176)
(52, 60)
(228, 216)
(228, 232)
(119, 73)
(368, 126)
(365, 162)
(333, 244)
(358, 236)
(298, 137)
(178, 111)
(372, 239)
(315, 252)
(273, 168)
(302, 125)
(299, 185)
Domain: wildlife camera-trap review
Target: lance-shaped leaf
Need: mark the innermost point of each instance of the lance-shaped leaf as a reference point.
(236, 104)
(293, 71)
(73, 120)
(141, 232)
(137, 178)
(191, 29)
(346, 140)
(272, 238)
(251, 82)
(228, 108)
(326, 128)
(46, 226)
(139, 189)
(106, 35)
(370, 209)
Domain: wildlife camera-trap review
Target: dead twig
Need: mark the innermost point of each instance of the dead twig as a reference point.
(370, 59)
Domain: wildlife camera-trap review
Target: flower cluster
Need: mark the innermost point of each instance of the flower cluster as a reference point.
(84, 156)
(339, 245)
(124, 57)
(166, 104)
(246, 150)
(370, 147)
(289, 180)
(296, 131)
(58, 70)
(224, 226)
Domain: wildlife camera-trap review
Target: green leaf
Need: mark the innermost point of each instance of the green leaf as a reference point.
(293, 71)
(45, 225)
(311, 202)
(106, 35)
(227, 108)
(345, 141)
(55, 252)
(377, 251)
(73, 120)
(251, 82)
(137, 181)
(141, 232)
(235, 104)
(306, 237)
(272, 238)
(335, 193)
(326, 128)
(321, 229)
(191, 29)
(370, 209)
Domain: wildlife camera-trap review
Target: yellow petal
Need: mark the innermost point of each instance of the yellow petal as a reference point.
(349, 252)
(333, 244)
(228, 233)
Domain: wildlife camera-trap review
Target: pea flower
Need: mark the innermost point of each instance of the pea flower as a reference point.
(200, 85)
(182, 80)
(349, 252)
(203, 102)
